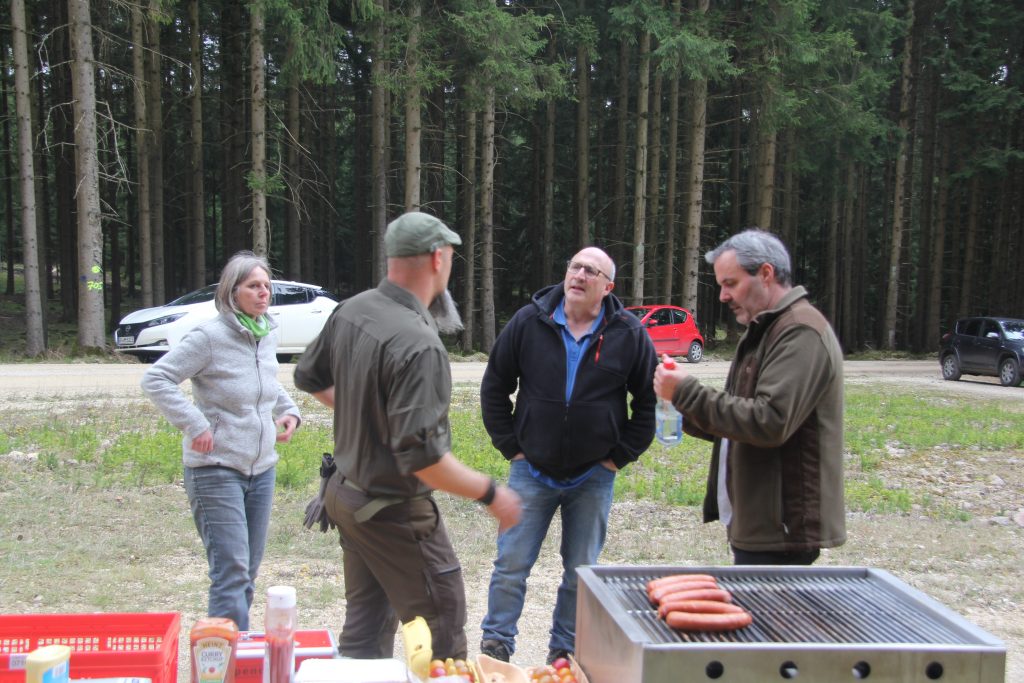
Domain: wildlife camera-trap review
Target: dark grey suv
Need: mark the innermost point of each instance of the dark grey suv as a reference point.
(984, 346)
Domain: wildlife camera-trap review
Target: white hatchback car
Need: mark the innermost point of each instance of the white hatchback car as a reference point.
(300, 311)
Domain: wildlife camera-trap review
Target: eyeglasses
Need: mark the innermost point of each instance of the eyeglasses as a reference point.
(588, 270)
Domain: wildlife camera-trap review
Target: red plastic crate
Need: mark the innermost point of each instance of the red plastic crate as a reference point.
(143, 645)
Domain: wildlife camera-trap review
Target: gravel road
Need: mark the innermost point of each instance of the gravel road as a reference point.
(42, 380)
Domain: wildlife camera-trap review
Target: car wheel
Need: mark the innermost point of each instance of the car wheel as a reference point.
(1009, 373)
(950, 368)
(695, 353)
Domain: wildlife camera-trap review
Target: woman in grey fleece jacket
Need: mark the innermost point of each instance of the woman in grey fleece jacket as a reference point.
(238, 412)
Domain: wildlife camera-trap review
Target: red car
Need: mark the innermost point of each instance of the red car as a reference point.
(673, 330)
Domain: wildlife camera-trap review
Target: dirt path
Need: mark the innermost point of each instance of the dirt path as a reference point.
(43, 380)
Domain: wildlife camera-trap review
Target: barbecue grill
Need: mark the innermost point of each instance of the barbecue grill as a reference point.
(810, 623)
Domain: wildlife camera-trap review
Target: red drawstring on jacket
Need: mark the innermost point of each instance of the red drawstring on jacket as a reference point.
(597, 353)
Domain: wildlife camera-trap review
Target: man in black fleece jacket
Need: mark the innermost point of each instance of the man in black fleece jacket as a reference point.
(573, 354)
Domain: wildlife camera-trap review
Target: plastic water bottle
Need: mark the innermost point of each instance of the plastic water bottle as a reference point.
(280, 623)
(669, 428)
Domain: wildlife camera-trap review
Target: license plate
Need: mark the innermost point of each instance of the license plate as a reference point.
(125, 341)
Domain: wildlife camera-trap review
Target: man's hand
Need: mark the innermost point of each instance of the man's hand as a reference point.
(665, 380)
(286, 424)
(506, 507)
(203, 443)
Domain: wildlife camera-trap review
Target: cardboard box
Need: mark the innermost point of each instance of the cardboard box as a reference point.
(309, 644)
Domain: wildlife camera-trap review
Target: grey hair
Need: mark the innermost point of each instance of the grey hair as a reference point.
(235, 270)
(755, 247)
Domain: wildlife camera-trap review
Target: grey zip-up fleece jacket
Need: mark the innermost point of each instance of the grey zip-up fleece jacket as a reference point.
(235, 394)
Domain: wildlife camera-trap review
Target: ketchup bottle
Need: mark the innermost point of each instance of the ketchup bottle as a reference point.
(668, 420)
(279, 625)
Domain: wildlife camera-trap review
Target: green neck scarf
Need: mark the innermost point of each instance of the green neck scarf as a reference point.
(260, 327)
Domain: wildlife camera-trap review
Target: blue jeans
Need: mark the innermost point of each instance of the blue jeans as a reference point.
(584, 526)
(232, 512)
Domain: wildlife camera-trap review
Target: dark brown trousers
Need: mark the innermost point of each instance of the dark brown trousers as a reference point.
(398, 565)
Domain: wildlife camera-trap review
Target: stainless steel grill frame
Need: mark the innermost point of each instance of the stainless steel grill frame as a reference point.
(810, 623)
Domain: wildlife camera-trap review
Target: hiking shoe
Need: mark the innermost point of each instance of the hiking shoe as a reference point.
(556, 654)
(496, 649)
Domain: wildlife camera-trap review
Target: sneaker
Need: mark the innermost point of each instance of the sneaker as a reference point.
(556, 654)
(496, 649)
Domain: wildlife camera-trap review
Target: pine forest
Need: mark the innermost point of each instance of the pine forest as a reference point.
(145, 143)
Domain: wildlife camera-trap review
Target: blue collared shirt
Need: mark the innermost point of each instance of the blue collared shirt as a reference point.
(574, 348)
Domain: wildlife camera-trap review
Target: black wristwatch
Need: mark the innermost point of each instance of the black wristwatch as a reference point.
(488, 498)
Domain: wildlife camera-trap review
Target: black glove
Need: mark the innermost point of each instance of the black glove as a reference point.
(315, 512)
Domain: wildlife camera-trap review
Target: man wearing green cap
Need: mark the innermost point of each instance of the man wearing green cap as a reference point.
(380, 365)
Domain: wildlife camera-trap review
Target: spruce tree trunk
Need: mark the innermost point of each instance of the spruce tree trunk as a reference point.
(378, 145)
(695, 199)
(966, 303)
(668, 258)
(640, 175)
(899, 193)
(618, 236)
(926, 337)
(198, 198)
(293, 225)
(831, 256)
(487, 161)
(8, 182)
(413, 115)
(142, 140)
(933, 319)
(258, 86)
(846, 304)
(35, 340)
(468, 235)
(547, 267)
(155, 114)
(233, 126)
(654, 219)
(766, 179)
(583, 236)
(91, 334)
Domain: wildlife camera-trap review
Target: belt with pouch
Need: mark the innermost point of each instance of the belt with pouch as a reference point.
(377, 503)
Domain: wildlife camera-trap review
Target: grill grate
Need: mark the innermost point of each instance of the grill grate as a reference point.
(823, 624)
(798, 608)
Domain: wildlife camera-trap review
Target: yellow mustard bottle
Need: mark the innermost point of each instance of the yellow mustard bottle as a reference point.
(48, 664)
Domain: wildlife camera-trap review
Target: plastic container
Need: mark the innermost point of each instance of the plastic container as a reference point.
(668, 420)
(213, 643)
(279, 626)
(309, 644)
(48, 664)
(103, 645)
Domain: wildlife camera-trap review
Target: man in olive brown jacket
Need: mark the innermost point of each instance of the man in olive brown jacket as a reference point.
(776, 476)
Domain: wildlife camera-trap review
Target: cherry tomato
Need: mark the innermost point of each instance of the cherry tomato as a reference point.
(560, 663)
(438, 671)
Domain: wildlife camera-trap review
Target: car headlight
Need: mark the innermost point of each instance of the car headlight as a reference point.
(155, 322)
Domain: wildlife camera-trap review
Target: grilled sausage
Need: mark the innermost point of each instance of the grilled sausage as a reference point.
(675, 578)
(658, 595)
(705, 607)
(715, 595)
(702, 621)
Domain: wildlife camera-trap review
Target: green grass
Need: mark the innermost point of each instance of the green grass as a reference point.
(139, 448)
